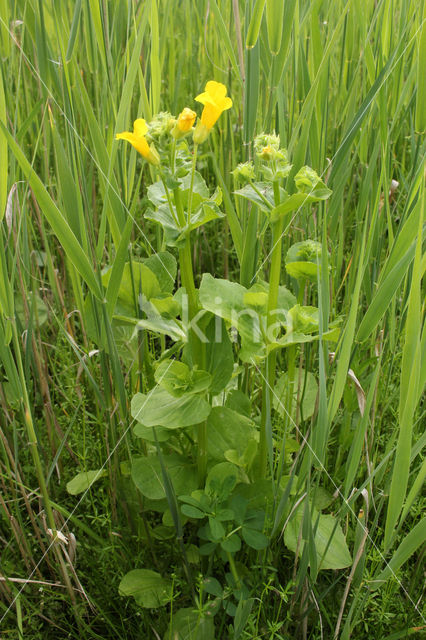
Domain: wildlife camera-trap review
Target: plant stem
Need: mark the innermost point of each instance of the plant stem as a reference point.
(269, 370)
(194, 162)
(196, 348)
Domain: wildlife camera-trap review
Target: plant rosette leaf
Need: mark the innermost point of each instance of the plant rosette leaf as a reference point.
(330, 544)
(160, 408)
(147, 587)
(179, 380)
(147, 475)
(188, 624)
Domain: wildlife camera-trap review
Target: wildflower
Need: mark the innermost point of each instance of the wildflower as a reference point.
(184, 123)
(138, 141)
(215, 102)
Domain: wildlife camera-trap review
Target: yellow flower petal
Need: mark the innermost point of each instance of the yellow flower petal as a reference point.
(215, 102)
(186, 119)
(138, 141)
(140, 127)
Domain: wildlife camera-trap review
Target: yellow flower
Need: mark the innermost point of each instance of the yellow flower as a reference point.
(215, 102)
(184, 123)
(139, 142)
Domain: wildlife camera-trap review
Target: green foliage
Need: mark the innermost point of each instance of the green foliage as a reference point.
(198, 382)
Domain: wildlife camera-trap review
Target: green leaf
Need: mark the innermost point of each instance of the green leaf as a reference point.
(296, 201)
(160, 408)
(410, 543)
(82, 481)
(265, 203)
(226, 430)
(212, 586)
(226, 299)
(219, 354)
(192, 512)
(255, 539)
(216, 528)
(328, 535)
(137, 278)
(147, 587)
(164, 267)
(187, 624)
(40, 309)
(232, 544)
(179, 380)
(147, 475)
(221, 472)
(307, 394)
(147, 433)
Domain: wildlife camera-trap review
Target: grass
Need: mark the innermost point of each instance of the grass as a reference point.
(345, 92)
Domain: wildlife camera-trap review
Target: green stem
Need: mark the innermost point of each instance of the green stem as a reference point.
(234, 570)
(260, 194)
(196, 348)
(269, 370)
(194, 162)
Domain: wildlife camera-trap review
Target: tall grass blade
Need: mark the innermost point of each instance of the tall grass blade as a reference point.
(55, 218)
(254, 25)
(410, 374)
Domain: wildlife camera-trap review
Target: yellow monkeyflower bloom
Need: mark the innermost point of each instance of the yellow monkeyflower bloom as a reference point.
(184, 123)
(139, 142)
(215, 101)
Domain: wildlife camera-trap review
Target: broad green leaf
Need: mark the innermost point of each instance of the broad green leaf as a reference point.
(226, 299)
(187, 624)
(158, 407)
(82, 481)
(303, 260)
(164, 266)
(219, 354)
(232, 544)
(296, 201)
(239, 402)
(226, 430)
(148, 477)
(262, 195)
(137, 278)
(223, 472)
(327, 536)
(40, 309)
(255, 539)
(147, 587)
(147, 433)
(179, 380)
